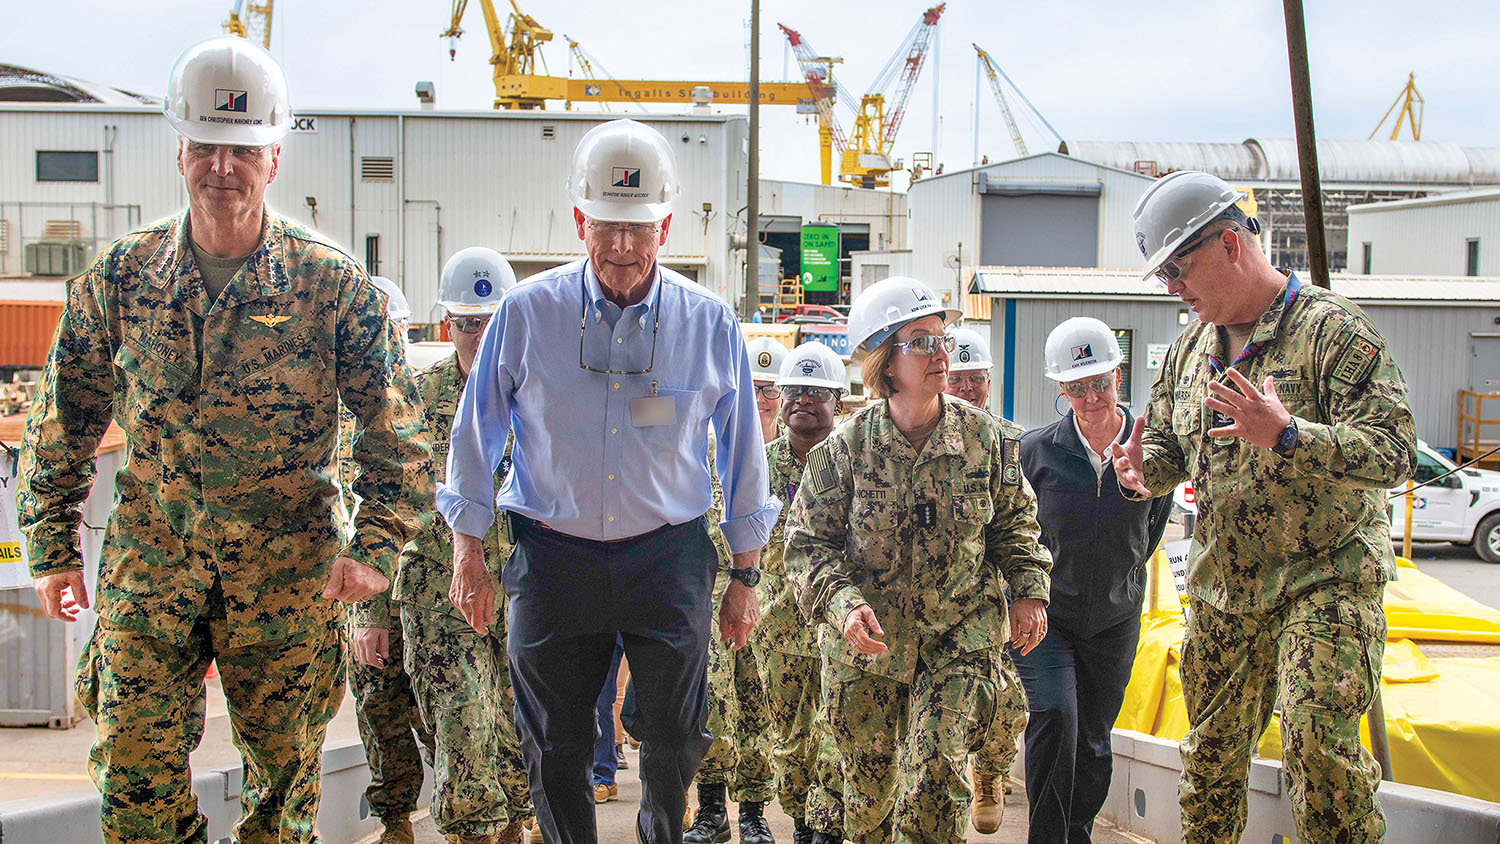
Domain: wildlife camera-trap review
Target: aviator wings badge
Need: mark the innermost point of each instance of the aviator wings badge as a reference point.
(270, 320)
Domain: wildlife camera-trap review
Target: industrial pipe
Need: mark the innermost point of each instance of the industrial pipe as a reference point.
(1307, 143)
(749, 306)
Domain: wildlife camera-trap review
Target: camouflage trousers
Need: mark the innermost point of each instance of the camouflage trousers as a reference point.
(903, 749)
(738, 718)
(793, 686)
(999, 752)
(146, 698)
(1322, 650)
(462, 686)
(391, 727)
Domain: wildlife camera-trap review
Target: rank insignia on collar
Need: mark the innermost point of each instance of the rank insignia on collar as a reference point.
(270, 320)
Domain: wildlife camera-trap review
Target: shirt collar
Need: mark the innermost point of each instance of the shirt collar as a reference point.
(264, 273)
(1265, 327)
(597, 299)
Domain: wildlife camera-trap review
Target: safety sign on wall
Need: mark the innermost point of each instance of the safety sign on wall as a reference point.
(13, 571)
(820, 258)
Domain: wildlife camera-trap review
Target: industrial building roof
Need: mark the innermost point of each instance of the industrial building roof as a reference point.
(1275, 160)
(1055, 282)
(22, 84)
(1450, 198)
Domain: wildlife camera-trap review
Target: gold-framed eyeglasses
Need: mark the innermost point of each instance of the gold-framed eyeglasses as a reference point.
(1098, 384)
(927, 344)
(975, 378)
(583, 325)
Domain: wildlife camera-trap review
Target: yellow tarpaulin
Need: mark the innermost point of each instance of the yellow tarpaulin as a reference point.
(1442, 715)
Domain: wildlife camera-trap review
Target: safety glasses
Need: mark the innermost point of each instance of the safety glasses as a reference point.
(974, 378)
(768, 391)
(1099, 384)
(927, 344)
(469, 324)
(816, 394)
(1171, 269)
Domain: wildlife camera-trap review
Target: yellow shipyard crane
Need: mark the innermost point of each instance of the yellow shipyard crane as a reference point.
(252, 23)
(1412, 107)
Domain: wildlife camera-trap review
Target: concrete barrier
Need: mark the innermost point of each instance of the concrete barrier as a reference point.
(343, 815)
(1143, 801)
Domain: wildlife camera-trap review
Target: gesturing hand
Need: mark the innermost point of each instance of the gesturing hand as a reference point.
(352, 582)
(1258, 415)
(1129, 458)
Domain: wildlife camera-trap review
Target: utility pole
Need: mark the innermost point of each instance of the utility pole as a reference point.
(751, 300)
(1307, 143)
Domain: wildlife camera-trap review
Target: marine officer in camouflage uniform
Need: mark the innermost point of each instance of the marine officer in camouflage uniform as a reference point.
(1285, 408)
(221, 341)
(459, 677)
(812, 381)
(910, 521)
(969, 379)
(390, 727)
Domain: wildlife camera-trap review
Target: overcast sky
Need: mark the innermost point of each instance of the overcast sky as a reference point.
(1145, 70)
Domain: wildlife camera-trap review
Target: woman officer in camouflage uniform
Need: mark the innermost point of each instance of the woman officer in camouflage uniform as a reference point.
(910, 521)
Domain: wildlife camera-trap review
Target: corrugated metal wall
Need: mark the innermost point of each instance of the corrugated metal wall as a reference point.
(1431, 344)
(458, 180)
(944, 231)
(1426, 239)
(26, 329)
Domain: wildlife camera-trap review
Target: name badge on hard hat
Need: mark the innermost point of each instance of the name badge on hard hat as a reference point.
(648, 411)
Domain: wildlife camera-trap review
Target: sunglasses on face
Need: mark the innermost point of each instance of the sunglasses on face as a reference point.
(1100, 384)
(468, 324)
(927, 344)
(816, 394)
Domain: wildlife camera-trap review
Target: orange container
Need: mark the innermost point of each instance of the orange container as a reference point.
(26, 329)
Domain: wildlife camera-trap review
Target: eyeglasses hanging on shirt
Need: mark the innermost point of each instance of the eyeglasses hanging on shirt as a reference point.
(583, 324)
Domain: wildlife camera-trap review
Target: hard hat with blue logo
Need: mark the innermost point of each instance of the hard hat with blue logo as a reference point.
(814, 365)
(882, 308)
(228, 91)
(474, 281)
(624, 172)
(1080, 347)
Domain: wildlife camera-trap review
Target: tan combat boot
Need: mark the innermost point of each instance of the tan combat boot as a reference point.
(397, 831)
(513, 833)
(989, 803)
(478, 839)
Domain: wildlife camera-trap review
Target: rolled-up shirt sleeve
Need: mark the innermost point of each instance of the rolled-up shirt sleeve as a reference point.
(466, 498)
(750, 511)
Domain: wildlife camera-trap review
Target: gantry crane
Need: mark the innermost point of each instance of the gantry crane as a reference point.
(253, 24)
(865, 156)
(1411, 116)
(994, 73)
(516, 49)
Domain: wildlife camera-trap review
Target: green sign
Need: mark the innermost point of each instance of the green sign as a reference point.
(820, 258)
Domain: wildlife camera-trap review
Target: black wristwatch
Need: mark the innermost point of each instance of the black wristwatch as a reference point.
(748, 576)
(1286, 443)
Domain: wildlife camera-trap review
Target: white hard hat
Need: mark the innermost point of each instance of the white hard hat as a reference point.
(1178, 206)
(882, 308)
(228, 91)
(972, 351)
(766, 356)
(815, 365)
(474, 280)
(396, 306)
(624, 172)
(1081, 347)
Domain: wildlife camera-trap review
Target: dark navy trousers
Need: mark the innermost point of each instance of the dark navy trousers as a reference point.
(1074, 688)
(568, 600)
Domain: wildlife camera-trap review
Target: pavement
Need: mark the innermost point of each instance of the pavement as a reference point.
(616, 820)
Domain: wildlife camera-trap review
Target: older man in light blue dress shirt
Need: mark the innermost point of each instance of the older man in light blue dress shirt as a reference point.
(609, 486)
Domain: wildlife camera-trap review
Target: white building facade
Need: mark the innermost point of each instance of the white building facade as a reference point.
(1447, 234)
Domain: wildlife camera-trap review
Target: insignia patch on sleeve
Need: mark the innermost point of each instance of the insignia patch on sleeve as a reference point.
(1011, 473)
(819, 473)
(1357, 360)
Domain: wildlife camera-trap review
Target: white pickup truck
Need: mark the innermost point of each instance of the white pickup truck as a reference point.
(1463, 508)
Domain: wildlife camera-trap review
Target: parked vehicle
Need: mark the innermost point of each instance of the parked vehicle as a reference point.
(821, 311)
(1463, 508)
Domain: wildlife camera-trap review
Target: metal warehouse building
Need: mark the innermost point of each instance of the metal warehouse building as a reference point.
(1444, 234)
(1045, 210)
(402, 191)
(1444, 333)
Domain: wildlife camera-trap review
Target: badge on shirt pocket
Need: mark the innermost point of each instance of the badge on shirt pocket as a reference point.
(650, 411)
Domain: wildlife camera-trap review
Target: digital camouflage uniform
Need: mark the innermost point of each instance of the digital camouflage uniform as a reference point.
(226, 521)
(1288, 563)
(998, 754)
(384, 707)
(738, 715)
(929, 540)
(791, 664)
(461, 680)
